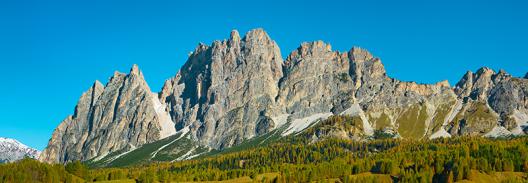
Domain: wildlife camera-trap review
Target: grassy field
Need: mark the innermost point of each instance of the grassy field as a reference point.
(412, 122)
(477, 177)
(266, 177)
(496, 177)
(174, 147)
(118, 181)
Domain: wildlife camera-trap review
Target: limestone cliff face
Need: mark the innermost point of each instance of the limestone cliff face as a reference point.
(224, 91)
(316, 80)
(240, 88)
(493, 100)
(118, 116)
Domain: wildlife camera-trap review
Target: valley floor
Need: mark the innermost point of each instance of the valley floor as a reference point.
(478, 177)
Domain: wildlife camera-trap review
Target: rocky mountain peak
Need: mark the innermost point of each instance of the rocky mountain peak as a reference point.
(463, 87)
(443, 83)
(483, 77)
(201, 47)
(223, 79)
(240, 88)
(98, 84)
(135, 70)
(526, 76)
(88, 99)
(125, 105)
(12, 150)
(234, 38)
(365, 68)
(485, 71)
(360, 55)
(476, 85)
(309, 49)
(503, 72)
(135, 77)
(257, 36)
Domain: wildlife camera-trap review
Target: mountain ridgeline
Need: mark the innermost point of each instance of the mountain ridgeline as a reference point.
(12, 150)
(238, 90)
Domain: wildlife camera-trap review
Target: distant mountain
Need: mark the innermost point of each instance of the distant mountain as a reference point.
(11, 150)
(240, 92)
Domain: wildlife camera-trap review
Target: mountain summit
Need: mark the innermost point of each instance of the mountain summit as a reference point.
(238, 89)
(12, 150)
(120, 116)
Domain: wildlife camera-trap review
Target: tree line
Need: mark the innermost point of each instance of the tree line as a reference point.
(297, 159)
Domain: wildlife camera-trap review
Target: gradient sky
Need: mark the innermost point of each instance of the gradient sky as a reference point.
(52, 51)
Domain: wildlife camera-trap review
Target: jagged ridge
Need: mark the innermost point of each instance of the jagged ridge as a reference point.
(240, 88)
(12, 150)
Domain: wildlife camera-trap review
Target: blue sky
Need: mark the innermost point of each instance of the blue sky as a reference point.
(52, 51)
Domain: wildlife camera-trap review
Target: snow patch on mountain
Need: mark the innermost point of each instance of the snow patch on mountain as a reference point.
(122, 154)
(355, 110)
(453, 112)
(166, 123)
(302, 123)
(12, 150)
(186, 155)
(183, 132)
(280, 120)
(442, 133)
(498, 131)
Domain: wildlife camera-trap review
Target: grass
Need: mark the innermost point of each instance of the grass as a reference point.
(496, 177)
(381, 122)
(478, 113)
(102, 162)
(412, 122)
(141, 154)
(144, 153)
(477, 116)
(441, 114)
(335, 127)
(382, 178)
(118, 181)
(178, 149)
(476, 176)
(266, 177)
(237, 180)
(252, 143)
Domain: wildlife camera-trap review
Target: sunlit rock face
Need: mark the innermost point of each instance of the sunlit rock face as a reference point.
(226, 91)
(240, 88)
(118, 116)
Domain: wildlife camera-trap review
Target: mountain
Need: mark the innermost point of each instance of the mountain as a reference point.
(240, 92)
(11, 150)
(120, 116)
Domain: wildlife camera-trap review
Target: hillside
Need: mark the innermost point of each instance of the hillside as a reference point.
(329, 159)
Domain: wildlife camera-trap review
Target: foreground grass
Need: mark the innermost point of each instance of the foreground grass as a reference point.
(477, 177)
(118, 181)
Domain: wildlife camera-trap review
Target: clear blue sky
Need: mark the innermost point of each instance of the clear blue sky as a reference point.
(52, 51)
